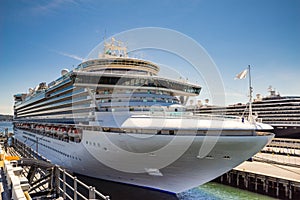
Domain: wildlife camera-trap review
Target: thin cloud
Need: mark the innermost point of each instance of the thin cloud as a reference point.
(50, 6)
(71, 56)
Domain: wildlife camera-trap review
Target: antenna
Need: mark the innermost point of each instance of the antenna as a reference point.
(104, 37)
(250, 117)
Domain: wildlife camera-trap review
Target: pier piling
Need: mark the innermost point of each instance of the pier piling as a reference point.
(263, 184)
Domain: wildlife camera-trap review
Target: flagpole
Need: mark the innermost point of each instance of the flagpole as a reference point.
(250, 118)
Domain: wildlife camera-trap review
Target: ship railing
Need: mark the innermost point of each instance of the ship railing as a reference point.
(187, 115)
(220, 117)
(282, 122)
(72, 188)
(285, 143)
(290, 140)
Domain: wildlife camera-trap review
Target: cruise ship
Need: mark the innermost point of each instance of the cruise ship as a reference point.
(281, 112)
(115, 118)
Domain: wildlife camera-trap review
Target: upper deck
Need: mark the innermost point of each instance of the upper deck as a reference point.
(114, 58)
(111, 82)
(119, 65)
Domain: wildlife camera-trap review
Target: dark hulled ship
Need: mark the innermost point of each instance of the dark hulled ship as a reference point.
(281, 112)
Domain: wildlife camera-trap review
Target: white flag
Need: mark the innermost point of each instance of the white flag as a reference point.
(241, 75)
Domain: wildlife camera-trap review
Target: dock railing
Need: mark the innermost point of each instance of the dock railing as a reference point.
(63, 184)
(70, 186)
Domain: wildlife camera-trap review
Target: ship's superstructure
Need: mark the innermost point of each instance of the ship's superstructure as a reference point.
(281, 112)
(116, 119)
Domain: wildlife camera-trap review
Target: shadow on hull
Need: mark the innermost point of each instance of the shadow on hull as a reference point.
(125, 191)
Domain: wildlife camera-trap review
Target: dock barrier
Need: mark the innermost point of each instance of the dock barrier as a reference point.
(15, 183)
(30, 175)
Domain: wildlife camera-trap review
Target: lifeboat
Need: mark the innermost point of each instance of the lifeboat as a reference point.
(70, 132)
(74, 133)
(58, 132)
(42, 128)
(61, 131)
(64, 131)
(47, 129)
(53, 130)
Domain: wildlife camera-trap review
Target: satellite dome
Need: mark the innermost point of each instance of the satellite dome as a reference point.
(64, 72)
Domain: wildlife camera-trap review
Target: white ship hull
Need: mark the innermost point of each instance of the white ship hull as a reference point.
(190, 170)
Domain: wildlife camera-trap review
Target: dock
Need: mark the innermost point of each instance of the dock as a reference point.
(275, 171)
(26, 175)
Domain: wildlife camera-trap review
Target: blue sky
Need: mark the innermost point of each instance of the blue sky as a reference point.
(39, 38)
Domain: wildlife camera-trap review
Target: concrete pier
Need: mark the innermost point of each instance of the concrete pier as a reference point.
(269, 174)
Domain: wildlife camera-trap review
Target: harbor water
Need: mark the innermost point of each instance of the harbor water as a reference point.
(4, 125)
(210, 191)
(213, 191)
